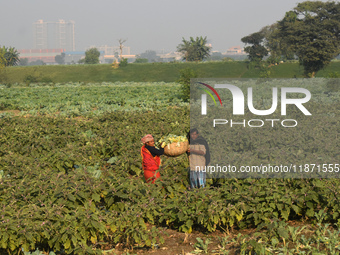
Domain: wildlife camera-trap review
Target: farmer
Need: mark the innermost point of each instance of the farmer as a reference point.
(199, 158)
(151, 159)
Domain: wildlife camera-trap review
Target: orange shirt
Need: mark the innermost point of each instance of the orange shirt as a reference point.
(150, 163)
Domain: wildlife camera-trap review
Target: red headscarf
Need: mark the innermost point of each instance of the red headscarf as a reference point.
(147, 138)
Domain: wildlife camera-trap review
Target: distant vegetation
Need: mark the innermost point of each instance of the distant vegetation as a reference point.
(194, 49)
(310, 33)
(9, 56)
(154, 72)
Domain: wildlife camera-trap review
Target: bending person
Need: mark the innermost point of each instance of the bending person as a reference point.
(151, 159)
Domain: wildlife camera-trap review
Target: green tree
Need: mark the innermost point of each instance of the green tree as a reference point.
(194, 49)
(312, 31)
(257, 51)
(3, 76)
(279, 49)
(215, 56)
(23, 62)
(150, 55)
(2, 59)
(123, 62)
(184, 80)
(60, 59)
(11, 56)
(37, 62)
(92, 56)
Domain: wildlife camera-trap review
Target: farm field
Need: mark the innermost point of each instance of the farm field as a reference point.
(71, 180)
(87, 100)
(151, 72)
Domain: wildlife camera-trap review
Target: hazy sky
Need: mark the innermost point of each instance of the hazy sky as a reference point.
(145, 24)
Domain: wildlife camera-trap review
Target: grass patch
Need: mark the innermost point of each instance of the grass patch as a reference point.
(154, 72)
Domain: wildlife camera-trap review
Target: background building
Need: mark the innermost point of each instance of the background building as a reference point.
(54, 35)
(111, 53)
(235, 50)
(112, 50)
(40, 35)
(45, 55)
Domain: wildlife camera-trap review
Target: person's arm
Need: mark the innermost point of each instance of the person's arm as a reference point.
(198, 152)
(154, 151)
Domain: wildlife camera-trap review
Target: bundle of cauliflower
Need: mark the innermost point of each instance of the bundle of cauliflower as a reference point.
(169, 139)
(173, 145)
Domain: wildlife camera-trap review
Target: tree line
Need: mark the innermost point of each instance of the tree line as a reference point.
(310, 32)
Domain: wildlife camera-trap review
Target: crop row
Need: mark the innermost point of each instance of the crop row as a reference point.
(76, 186)
(76, 99)
(51, 189)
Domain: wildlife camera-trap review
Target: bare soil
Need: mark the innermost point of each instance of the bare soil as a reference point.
(177, 243)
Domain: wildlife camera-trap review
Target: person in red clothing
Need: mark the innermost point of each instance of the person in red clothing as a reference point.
(151, 159)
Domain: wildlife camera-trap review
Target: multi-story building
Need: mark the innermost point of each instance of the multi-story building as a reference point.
(40, 35)
(54, 35)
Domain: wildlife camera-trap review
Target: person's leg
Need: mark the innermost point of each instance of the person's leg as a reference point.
(156, 176)
(201, 179)
(204, 178)
(148, 175)
(151, 176)
(193, 179)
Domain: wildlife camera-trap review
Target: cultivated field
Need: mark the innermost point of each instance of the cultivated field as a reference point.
(71, 180)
